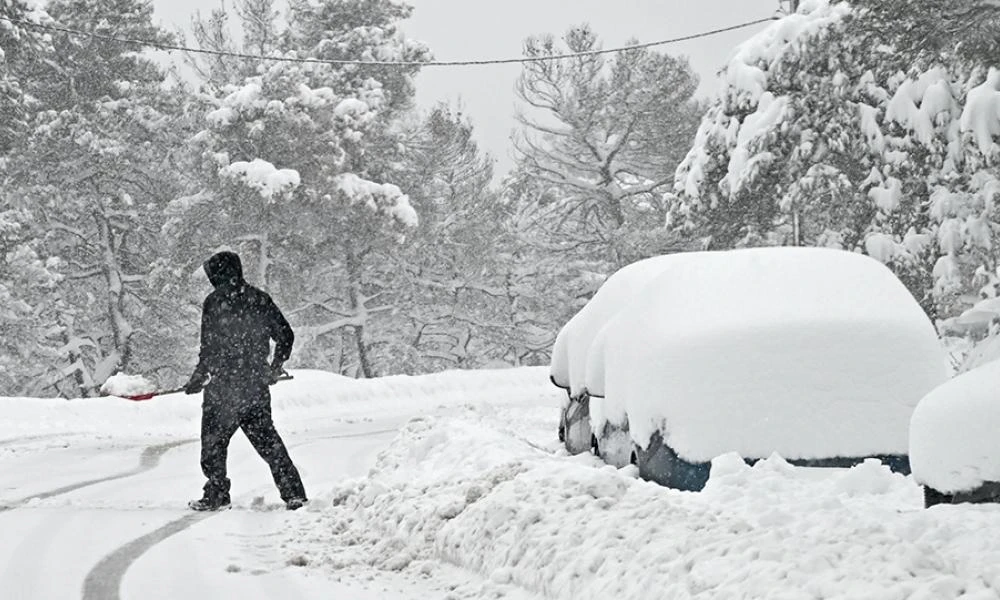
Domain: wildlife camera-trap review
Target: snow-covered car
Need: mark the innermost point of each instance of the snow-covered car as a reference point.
(955, 439)
(815, 354)
(569, 353)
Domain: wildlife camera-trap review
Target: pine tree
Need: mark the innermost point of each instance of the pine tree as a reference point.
(599, 142)
(261, 37)
(26, 317)
(602, 136)
(91, 174)
(294, 171)
(21, 50)
(819, 140)
(458, 309)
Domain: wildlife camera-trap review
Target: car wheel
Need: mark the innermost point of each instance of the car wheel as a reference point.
(595, 446)
(932, 497)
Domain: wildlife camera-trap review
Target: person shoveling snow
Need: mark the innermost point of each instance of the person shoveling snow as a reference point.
(238, 323)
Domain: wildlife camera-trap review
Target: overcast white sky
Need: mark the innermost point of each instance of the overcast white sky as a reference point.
(481, 29)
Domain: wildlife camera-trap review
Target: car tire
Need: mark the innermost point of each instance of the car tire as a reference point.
(595, 446)
(933, 497)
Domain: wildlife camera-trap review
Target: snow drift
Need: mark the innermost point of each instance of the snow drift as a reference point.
(311, 396)
(456, 489)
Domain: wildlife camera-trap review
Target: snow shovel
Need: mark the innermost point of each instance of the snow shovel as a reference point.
(149, 395)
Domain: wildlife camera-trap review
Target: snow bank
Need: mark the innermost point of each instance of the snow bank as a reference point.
(434, 469)
(309, 397)
(320, 392)
(807, 352)
(569, 354)
(954, 439)
(455, 489)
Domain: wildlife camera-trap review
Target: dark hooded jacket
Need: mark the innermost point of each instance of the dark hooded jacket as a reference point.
(237, 324)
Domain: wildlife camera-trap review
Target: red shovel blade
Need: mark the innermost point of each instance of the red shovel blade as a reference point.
(150, 395)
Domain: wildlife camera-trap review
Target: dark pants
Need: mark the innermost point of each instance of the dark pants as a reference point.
(237, 404)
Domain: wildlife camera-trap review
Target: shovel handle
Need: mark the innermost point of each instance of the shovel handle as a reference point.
(151, 395)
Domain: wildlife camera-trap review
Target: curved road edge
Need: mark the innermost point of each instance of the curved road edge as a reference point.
(149, 459)
(103, 582)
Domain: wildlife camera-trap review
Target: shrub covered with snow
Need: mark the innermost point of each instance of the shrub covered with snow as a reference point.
(807, 352)
(954, 440)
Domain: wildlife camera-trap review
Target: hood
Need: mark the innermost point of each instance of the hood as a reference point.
(225, 271)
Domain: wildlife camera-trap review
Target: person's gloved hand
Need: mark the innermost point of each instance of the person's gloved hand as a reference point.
(275, 371)
(196, 383)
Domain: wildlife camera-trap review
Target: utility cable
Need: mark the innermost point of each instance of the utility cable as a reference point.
(388, 63)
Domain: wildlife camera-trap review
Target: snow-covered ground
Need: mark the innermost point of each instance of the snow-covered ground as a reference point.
(448, 486)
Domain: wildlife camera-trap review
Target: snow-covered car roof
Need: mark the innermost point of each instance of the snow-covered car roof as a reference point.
(808, 352)
(569, 353)
(954, 441)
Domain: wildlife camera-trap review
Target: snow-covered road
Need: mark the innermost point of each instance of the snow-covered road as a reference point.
(94, 519)
(448, 487)
(95, 507)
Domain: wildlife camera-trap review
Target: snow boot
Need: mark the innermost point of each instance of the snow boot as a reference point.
(209, 504)
(295, 503)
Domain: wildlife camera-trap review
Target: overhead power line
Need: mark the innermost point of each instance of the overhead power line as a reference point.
(388, 63)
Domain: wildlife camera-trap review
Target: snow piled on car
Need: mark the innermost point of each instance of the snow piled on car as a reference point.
(807, 352)
(954, 441)
(569, 354)
(493, 493)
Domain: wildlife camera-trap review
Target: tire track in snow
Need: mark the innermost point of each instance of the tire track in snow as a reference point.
(31, 438)
(149, 459)
(103, 582)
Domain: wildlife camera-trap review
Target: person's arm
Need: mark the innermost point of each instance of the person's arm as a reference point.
(209, 338)
(206, 351)
(281, 332)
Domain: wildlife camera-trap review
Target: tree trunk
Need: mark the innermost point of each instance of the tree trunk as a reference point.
(358, 309)
(120, 327)
(81, 384)
(263, 260)
(363, 360)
